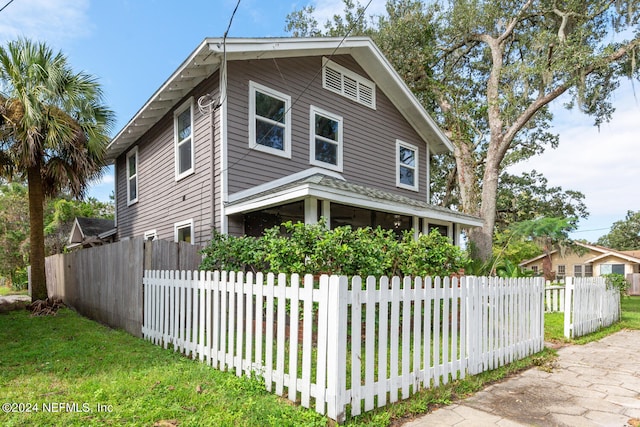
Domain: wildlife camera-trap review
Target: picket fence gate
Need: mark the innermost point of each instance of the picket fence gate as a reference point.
(590, 304)
(335, 343)
(554, 299)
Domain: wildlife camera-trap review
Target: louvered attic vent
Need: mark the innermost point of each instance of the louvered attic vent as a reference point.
(345, 82)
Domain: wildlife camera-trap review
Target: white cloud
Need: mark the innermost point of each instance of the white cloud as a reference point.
(52, 21)
(603, 164)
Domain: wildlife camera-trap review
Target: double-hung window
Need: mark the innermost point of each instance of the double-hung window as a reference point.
(577, 270)
(269, 120)
(561, 273)
(184, 149)
(406, 166)
(326, 139)
(132, 176)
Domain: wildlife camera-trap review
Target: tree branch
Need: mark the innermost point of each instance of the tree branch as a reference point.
(543, 99)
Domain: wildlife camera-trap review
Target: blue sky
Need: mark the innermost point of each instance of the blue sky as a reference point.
(132, 46)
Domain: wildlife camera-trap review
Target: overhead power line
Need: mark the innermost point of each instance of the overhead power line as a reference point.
(5, 6)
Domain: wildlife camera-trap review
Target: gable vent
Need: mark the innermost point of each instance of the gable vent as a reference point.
(345, 82)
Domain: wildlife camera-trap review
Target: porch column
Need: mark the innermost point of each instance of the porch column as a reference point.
(416, 227)
(310, 211)
(326, 212)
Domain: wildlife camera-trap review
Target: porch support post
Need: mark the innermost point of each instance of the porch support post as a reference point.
(310, 211)
(326, 212)
(416, 227)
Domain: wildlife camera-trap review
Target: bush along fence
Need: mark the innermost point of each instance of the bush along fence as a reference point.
(335, 343)
(590, 304)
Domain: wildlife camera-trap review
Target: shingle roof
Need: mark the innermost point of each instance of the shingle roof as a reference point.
(328, 182)
(95, 226)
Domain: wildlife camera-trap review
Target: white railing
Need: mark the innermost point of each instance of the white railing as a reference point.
(589, 305)
(339, 342)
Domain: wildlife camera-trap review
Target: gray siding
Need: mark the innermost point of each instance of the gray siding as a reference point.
(163, 201)
(369, 135)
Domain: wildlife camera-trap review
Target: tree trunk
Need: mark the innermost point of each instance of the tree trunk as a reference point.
(546, 267)
(482, 238)
(36, 234)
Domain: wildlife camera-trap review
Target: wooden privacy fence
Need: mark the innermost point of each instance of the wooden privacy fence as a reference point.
(589, 305)
(335, 342)
(103, 282)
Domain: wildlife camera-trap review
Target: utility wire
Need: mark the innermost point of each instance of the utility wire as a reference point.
(224, 54)
(5, 6)
(301, 93)
(230, 20)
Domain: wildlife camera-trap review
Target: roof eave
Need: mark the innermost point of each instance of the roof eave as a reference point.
(206, 58)
(198, 66)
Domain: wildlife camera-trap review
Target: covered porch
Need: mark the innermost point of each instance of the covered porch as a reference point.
(340, 203)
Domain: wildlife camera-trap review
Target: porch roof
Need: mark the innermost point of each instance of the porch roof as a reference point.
(338, 190)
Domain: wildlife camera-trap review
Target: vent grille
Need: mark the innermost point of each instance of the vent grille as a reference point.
(348, 84)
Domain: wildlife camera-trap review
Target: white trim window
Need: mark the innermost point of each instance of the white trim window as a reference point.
(406, 166)
(183, 136)
(132, 176)
(326, 139)
(269, 120)
(183, 231)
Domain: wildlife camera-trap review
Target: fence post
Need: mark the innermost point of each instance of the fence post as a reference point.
(337, 348)
(568, 306)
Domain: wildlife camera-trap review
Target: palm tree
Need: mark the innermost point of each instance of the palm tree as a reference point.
(53, 133)
(551, 234)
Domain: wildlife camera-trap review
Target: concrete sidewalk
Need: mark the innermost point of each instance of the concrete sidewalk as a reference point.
(597, 384)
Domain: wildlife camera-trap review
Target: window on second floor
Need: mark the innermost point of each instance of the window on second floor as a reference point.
(183, 231)
(269, 120)
(184, 148)
(406, 166)
(326, 139)
(132, 176)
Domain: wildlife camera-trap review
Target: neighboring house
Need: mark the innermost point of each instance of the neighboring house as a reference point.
(249, 133)
(594, 261)
(89, 232)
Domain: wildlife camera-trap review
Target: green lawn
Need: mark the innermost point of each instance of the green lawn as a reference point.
(6, 290)
(67, 365)
(554, 323)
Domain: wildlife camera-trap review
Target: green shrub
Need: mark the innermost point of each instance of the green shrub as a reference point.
(617, 281)
(314, 249)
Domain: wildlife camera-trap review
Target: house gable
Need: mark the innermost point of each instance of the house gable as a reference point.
(266, 114)
(591, 261)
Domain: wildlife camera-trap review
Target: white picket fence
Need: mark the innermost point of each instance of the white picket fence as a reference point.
(554, 299)
(338, 342)
(589, 305)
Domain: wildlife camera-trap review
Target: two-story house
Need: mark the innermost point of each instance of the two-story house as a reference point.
(248, 133)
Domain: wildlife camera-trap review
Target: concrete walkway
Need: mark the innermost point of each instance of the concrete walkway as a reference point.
(597, 384)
